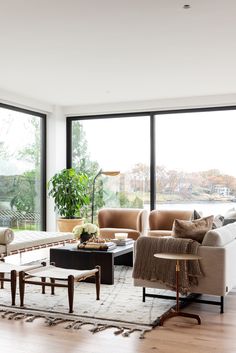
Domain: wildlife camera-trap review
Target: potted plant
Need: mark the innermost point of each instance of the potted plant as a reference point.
(69, 189)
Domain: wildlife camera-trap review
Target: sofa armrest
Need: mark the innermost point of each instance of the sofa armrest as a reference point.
(220, 236)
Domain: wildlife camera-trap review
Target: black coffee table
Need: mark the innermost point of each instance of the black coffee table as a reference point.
(71, 257)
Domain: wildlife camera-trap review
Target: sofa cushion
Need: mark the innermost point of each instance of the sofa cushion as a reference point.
(228, 221)
(231, 214)
(196, 215)
(6, 236)
(195, 229)
(159, 233)
(218, 221)
(108, 233)
(220, 236)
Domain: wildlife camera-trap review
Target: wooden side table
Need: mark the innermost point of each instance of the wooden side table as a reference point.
(176, 311)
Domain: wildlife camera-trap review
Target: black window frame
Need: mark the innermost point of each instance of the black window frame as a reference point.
(43, 160)
(153, 126)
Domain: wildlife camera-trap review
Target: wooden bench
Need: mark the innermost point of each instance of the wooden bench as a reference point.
(69, 276)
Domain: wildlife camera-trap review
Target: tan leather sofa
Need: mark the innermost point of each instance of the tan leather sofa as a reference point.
(122, 220)
(161, 221)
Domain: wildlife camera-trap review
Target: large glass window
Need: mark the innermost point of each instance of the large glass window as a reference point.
(195, 165)
(114, 144)
(192, 159)
(21, 170)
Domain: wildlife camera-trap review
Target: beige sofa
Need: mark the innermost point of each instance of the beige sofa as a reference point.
(218, 263)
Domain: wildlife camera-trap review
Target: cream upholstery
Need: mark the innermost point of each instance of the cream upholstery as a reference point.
(29, 240)
(129, 220)
(217, 263)
(161, 221)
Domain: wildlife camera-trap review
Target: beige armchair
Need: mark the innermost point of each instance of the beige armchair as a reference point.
(161, 221)
(118, 220)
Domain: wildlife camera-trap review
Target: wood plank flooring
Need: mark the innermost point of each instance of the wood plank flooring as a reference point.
(216, 334)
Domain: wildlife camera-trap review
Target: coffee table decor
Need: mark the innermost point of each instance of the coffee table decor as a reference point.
(103, 246)
(85, 232)
(123, 242)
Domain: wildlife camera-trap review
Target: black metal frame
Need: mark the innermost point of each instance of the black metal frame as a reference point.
(43, 209)
(193, 297)
(151, 115)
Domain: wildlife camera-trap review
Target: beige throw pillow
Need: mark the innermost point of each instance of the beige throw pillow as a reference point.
(195, 229)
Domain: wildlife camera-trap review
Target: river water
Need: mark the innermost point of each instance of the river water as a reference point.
(205, 208)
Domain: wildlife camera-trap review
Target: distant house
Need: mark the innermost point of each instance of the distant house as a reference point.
(221, 190)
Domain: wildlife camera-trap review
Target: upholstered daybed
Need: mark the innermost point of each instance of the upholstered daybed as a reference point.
(13, 243)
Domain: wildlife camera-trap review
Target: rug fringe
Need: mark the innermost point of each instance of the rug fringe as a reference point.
(72, 323)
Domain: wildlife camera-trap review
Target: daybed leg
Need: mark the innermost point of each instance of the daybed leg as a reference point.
(22, 287)
(222, 304)
(2, 280)
(70, 292)
(13, 287)
(98, 281)
(144, 293)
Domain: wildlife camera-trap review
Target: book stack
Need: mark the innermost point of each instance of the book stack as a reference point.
(123, 242)
(97, 246)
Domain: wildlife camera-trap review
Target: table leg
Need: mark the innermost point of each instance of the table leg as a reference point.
(98, 281)
(2, 280)
(177, 269)
(22, 287)
(13, 287)
(70, 292)
(176, 312)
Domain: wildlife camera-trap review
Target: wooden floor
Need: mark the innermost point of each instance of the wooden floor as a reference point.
(216, 334)
(178, 335)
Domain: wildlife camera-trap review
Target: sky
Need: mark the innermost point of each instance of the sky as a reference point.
(15, 133)
(186, 142)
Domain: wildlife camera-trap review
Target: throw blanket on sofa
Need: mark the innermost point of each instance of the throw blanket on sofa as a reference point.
(6, 236)
(148, 267)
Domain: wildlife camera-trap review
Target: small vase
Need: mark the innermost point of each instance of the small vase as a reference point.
(85, 237)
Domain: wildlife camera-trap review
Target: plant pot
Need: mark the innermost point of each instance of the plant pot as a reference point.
(67, 225)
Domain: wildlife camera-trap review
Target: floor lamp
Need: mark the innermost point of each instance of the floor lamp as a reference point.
(109, 173)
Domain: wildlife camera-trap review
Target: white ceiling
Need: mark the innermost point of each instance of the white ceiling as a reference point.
(72, 52)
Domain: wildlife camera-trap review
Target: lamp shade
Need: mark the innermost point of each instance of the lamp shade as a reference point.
(110, 172)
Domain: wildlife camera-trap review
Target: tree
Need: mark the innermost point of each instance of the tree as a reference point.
(82, 163)
(31, 152)
(26, 195)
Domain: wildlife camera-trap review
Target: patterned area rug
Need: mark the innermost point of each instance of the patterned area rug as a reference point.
(120, 306)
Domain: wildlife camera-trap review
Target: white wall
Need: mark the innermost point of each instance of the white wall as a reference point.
(56, 155)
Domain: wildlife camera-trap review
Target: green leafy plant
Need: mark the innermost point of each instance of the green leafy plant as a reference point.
(69, 189)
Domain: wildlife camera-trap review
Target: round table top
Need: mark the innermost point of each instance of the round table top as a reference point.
(169, 256)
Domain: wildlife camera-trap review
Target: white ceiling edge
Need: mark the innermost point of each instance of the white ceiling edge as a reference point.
(24, 102)
(152, 105)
